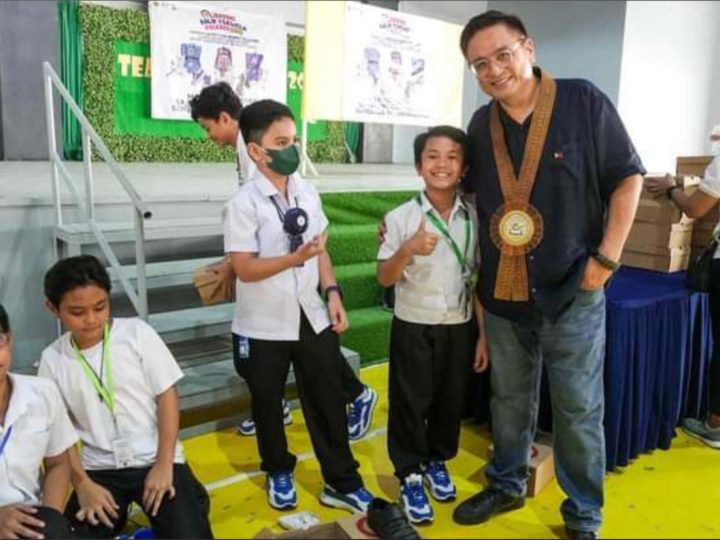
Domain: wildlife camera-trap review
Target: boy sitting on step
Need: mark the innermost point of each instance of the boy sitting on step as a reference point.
(429, 255)
(275, 232)
(117, 379)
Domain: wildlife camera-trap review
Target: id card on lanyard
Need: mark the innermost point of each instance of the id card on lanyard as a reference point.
(121, 446)
(461, 257)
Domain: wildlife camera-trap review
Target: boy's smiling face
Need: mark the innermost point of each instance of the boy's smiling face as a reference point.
(84, 311)
(223, 131)
(442, 163)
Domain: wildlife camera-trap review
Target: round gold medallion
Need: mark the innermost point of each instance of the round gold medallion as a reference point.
(516, 228)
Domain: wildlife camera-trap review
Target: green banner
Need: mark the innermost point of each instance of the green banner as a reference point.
(132, 97)
(317, 131)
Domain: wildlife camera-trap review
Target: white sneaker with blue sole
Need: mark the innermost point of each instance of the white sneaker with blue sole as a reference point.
(414, 500)
(281, 491)
(247, 426)
(438, 480)
(356, 501)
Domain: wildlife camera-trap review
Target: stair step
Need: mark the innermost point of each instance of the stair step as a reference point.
(163, 274)
(359, 284)
(352, 244)
(211, 384)
(123, 231)
(193, 323)
(361, 208)
(369, 333)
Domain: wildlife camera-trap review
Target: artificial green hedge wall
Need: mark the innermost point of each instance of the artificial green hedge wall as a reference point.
(101, 26)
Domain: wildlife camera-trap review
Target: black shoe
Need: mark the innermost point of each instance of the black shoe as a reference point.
(387, 520)
(484, 505)
(574, 534)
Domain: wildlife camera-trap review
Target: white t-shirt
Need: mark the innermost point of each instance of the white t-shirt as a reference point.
(710, 185)
(270, 309)
(142, 369)
(432, 288)
(39, 428)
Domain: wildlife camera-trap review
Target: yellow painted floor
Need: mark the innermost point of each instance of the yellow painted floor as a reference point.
(666, 494)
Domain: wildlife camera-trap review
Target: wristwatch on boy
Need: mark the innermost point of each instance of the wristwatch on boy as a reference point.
(335, 288)
(606, 262)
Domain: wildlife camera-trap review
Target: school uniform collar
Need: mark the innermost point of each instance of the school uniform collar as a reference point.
(20, 396)
(458, 205)
(267, 189)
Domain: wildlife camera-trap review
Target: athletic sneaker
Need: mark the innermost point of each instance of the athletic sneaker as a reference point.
(414, 500)
(281, 491)
(438, 479)
(360, 413)
(247, 426)
(702, 431)
(356, 501)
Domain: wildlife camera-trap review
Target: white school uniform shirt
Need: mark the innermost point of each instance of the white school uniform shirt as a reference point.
(431, 288)
(142, 368)
(39, 428)
(710, 185)
(270, 309)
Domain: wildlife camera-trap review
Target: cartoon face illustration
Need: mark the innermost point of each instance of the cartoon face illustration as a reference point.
(372, 62)
(191, 53)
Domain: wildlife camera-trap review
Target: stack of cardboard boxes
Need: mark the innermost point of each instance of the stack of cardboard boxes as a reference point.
(663, 238)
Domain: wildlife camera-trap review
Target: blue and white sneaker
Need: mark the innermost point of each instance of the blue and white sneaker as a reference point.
(438, 479)
(247, 426)
(360, 413)
(281, 491)
(414, 500)
(356, 501)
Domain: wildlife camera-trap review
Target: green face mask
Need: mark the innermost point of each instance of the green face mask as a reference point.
(285, 161)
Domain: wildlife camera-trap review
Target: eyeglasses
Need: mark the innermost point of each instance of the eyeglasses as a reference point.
(4, 339)
(502, 58)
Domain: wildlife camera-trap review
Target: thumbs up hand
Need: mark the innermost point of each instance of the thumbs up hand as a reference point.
(422, 242)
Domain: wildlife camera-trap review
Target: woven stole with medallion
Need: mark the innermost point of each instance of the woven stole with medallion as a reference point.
(516, 228)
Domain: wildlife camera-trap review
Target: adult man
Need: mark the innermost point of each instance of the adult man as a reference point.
(557, 182)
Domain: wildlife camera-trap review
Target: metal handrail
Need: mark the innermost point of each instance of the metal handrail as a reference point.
(87, 208)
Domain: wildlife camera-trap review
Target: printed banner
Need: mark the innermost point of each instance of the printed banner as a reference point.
(194, 46)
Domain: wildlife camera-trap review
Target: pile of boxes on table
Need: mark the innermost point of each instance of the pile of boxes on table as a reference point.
(662, 237)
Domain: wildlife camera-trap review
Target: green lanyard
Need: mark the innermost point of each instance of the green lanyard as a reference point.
(105, 392)
(439, 225)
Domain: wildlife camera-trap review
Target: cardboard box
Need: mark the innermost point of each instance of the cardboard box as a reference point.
(542, 466)
(658, 238)
(694, 165)
(354, 526)
(674, 260)
(660, 210)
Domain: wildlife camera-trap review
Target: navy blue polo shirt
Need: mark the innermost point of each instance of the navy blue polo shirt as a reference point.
(587, 154)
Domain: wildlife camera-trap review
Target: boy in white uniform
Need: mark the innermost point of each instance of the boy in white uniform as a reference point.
(275, 233)
(117, 379)
(35, 434)
(429, 253)
(217, 109)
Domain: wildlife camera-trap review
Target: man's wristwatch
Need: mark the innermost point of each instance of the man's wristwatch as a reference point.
(668, 191)
(605, 262)
(335, 288)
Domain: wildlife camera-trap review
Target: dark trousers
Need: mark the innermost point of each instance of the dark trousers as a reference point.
(429, 369)
(185, 516)
(318, 368)
(714, 375)
(56, 526)
(351, 385)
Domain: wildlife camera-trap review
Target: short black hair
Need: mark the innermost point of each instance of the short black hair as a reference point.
(452, 133)
(257, 117)
(73, 272)
(486, 20)
(4, 321)
(213, 100)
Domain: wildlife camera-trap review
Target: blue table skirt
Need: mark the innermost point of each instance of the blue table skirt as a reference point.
(657, 358)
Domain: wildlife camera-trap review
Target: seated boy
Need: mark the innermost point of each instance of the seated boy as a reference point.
(117, 379)
(35, 434)
(217, 109)
(275, 232)
(429, 255)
